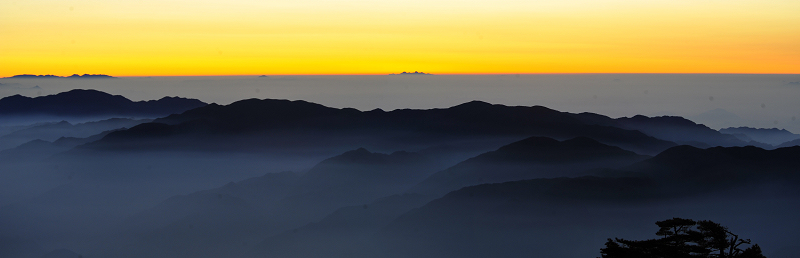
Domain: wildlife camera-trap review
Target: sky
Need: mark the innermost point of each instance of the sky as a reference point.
(250, 37)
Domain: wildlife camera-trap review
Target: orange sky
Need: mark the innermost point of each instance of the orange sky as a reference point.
(182, 37)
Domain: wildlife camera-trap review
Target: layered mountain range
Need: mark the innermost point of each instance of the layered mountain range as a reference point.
(280, 178)
(408, 128)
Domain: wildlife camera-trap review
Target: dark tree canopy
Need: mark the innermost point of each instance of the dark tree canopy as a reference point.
(687, 238)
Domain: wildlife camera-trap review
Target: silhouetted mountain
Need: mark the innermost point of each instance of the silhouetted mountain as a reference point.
(256, 193)
(670, 128)
(209, 223)
(254, 114)
(414, 73)
(90, 76)
(360, 168)
(534, 157)
(354, 178)
(119, 186)
(32, 150)
(297, 123)
(269, 204)
(516, 219)
(679, 130)
(38, 150)
(513, 219)
(504, 219)
(772, 136)
(92, 103)
(27, 76)
(692, 169)
(789, 144)
(563, 217)
(718, 118)
(7, 129)
(74, 76)
(54, 131)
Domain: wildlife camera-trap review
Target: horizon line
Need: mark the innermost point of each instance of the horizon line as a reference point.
(426, 73)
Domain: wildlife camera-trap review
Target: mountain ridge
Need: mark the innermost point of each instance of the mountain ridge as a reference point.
(533, 157)
(402, 129)
(88, 103)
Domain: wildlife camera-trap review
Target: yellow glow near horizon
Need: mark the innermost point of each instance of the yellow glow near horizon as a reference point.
(181, 37)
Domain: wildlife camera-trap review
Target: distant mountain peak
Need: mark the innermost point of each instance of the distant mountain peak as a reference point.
(773, 136)
(74, 76)
(83, 91)
(414, 73)
(745, 128)
(473, 104)
(532, 157)
(672, 120)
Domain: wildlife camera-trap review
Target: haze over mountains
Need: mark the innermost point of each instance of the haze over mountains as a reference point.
(63, 130)
(773, 136)
(534, 157)
(280, 178)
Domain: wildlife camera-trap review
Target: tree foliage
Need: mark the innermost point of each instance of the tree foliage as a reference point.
(684, 238)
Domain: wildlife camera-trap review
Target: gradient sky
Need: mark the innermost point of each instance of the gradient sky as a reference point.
(240, 37)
